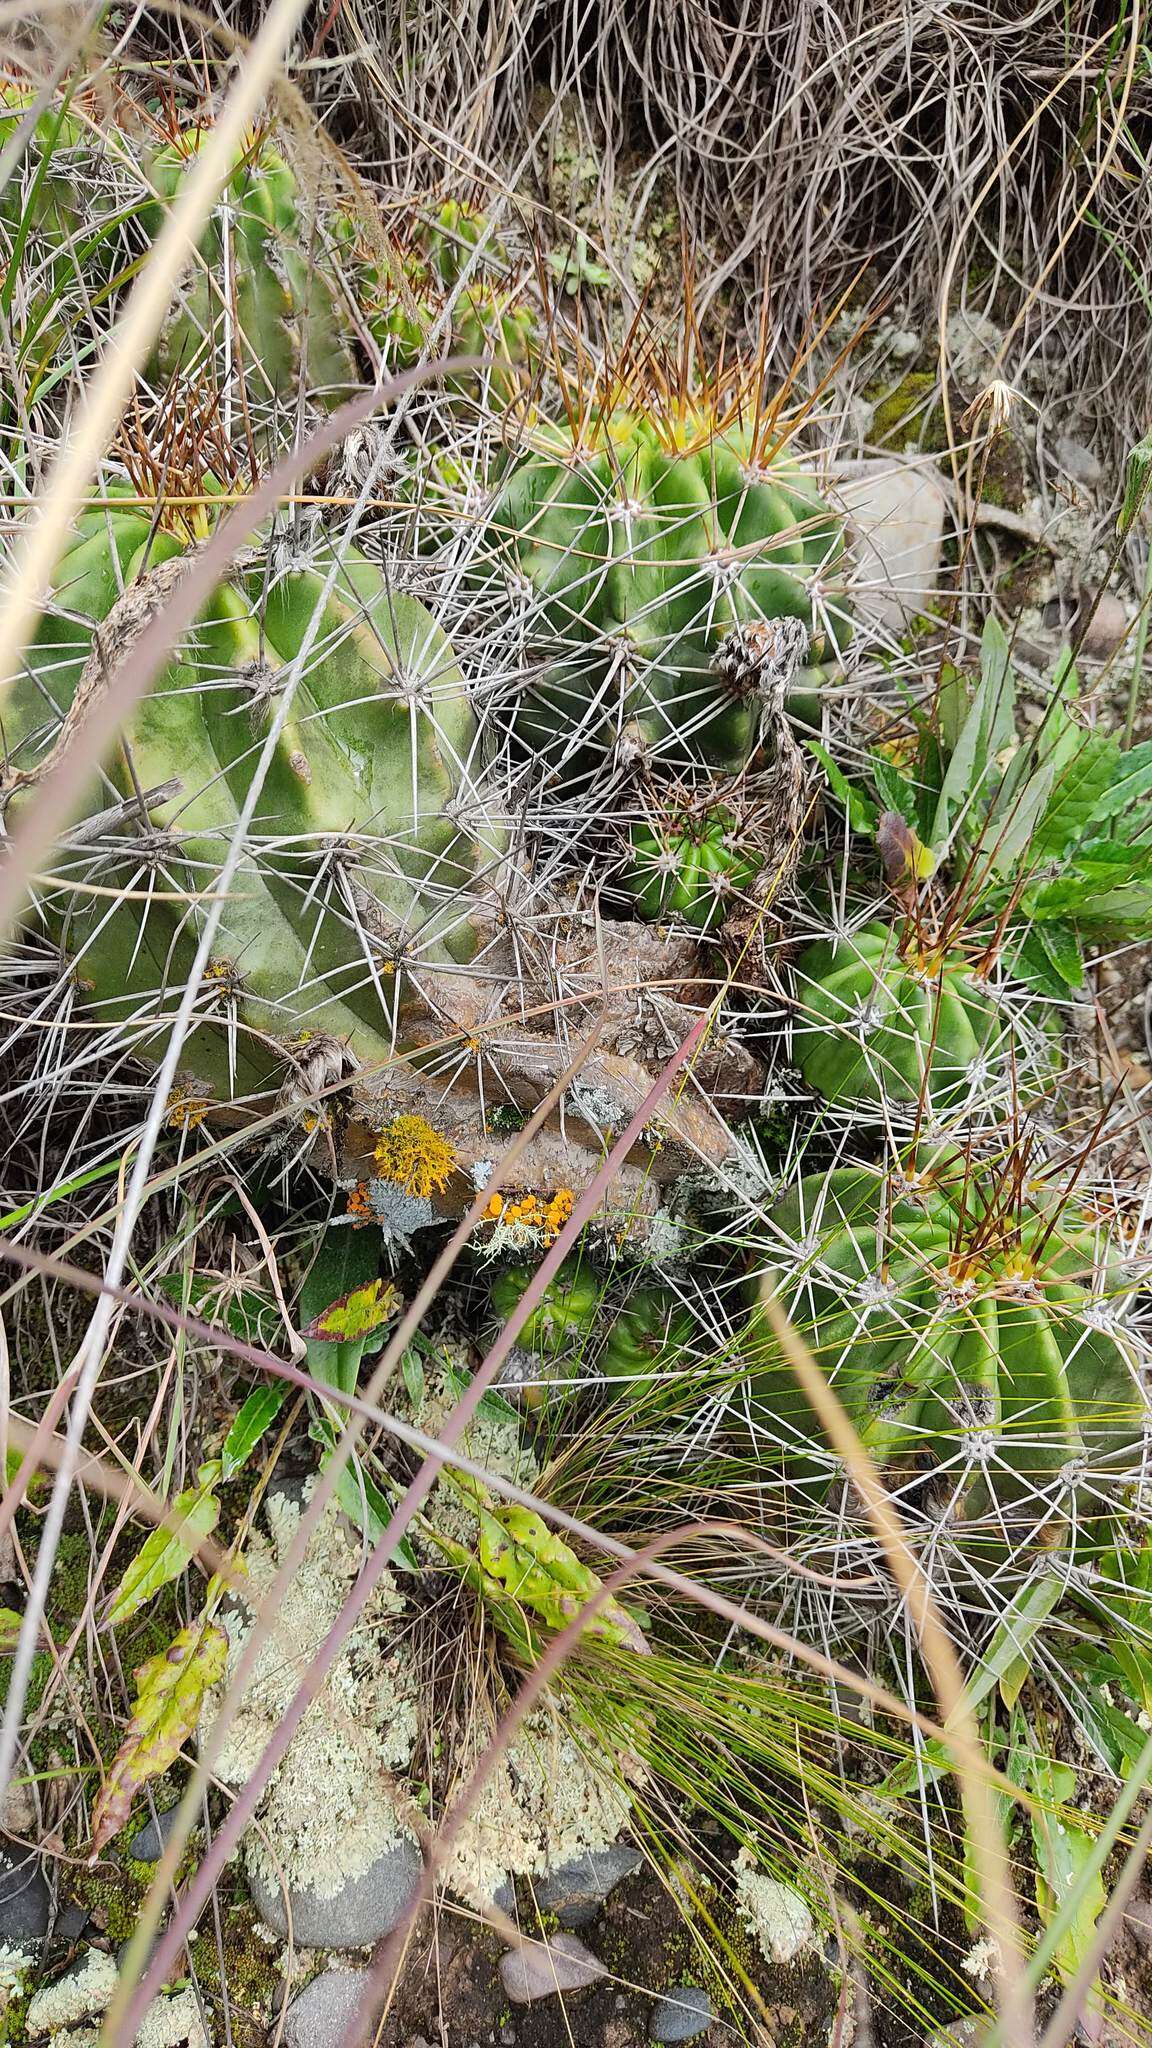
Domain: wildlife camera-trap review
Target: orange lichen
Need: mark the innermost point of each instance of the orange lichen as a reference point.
(544, 1215)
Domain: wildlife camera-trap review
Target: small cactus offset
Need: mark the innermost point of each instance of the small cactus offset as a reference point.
(682, 579)
(884, 1016)
(975, 1335)
(366, 841)
(260, 303)
(691, 862)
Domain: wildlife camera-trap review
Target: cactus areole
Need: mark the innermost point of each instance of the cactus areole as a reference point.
(976, 1341)
(366, 837)
(678, 584)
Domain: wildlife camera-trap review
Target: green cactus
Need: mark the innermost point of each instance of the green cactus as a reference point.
(677, 581)
(647, 1338)
(690, 865)
(367, 837)
(973, 1335)
(260, 298)
(71, 234)
(562, 1323)
(882, 1017)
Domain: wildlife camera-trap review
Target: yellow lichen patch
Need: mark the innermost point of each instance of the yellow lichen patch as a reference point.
(415, 1156)
(185, 1111)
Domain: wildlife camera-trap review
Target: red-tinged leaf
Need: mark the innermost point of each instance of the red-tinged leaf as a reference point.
(170, 1689)
(355, 1315)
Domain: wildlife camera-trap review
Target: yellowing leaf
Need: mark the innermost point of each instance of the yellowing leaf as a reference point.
(166, 1552)
(355, 1315)
(170, 1689)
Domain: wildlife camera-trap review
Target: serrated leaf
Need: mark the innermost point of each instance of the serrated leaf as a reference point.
(1137, 479)
(1079, 790)
(170, 1689)
(1031, 965)
(1128, 786)
(167, 1551)
(355, 1315)
(895, 791)
(862, 815)
(254, 1419)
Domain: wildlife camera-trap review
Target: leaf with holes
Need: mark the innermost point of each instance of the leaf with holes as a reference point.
(170, 1689)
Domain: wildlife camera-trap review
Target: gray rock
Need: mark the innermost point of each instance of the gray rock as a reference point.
(897, 512)
(149, 1845)
(71, 1921)
(25, 1898)
(958, 2034)
(682, 2014)
(1107, 626)
(366, 1908)
(319, 2015)
(1082, 464)
(577, 1890)
(504, 1896)
(539, 1969)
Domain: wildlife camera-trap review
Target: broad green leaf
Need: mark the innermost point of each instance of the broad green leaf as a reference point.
(523, 1569)
(1129, 786)
(862, 815)
(1031, 965)
(988, 729)
(170, 1689)
(415, 1380)
(166, 1552)
(254, 1419)
(361, 1499)
(345, 1260)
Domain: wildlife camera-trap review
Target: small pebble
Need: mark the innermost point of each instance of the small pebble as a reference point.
(539, 1969)
(319, 2016)
(1082, 464)
(149, 1844)
(1108, 626)
(682, 2014)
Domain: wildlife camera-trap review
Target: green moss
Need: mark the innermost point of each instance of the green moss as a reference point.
(1004, 481)
(111, 1895)
(246, 1965)
(912, 413)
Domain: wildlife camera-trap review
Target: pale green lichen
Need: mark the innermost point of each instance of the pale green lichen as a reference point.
(329, 1810)
(174, 2022)
(777, 1914)
(492, 1439)
(84, 1992)
(545, 1802)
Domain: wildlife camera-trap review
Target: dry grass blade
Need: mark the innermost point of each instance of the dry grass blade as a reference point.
(963, 1736)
